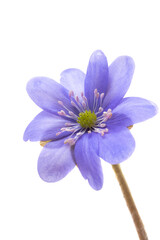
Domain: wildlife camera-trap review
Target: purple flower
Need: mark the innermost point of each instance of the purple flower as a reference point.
(85, 118)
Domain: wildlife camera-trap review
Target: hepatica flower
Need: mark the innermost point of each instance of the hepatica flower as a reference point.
(86, 118)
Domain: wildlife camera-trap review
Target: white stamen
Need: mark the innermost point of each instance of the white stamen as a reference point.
(58, 133)
(77, 99)
(79, 104)
(72, 114)
(107, 115)
(70, 141)
(102, 95)
(100, 110)
(95, 92)
(86, 101)
(101, 98)
(84, 105)
(71, 94)
(70, 124)
(96, 101)
(61, 103)
(76, 106)
(101, 131)
(62, 113)
(97, 95)
(84, 98)
(102, 125)
(79, 134)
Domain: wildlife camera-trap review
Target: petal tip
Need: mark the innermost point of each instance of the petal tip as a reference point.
(97, 54)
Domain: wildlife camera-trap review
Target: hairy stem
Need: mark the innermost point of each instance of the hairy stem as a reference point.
(130, 203)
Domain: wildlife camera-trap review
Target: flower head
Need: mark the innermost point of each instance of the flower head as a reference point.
(86, 118)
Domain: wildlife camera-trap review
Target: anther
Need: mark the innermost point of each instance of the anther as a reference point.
(95, 92)
(77, 99)
(62, 113)
(102, 125)
(67, 124)
(67, 129)
(73, 104)
(107, 114)
(79, 134)
(84, 98)
(71, 113)
(84, 105)
(71, 94)
(61, 103)
(97, 95)
(102, 96)
(58, 133)
(100, 110)
(70, 141)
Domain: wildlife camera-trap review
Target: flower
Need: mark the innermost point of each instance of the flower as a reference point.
(86, 118)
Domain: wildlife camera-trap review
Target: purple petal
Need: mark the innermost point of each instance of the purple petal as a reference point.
(46, 93)
(55, 161)
(44, 127)
(73, 79)
(115, 146)
(120, 76)
(132, 110)
(88, 162)
(97, 76)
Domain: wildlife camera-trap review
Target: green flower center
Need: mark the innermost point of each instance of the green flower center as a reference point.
(87, 119)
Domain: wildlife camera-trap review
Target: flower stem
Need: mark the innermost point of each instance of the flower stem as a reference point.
(130, 202)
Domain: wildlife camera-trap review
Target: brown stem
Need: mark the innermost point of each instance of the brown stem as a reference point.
(130, 203)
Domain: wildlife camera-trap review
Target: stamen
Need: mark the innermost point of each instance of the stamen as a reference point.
(102, 125)
(100, 110)
(75, 105)
(108, 114)
(70, 124)
(61, 103)
(104, 131)
(72, 114)
(101, 98)
(70, 141)
(101, 131)
(86, 102)
(84, 105)
(79, 104)
(67, 129)
(102, 95)
(77, 99)
(62, 113)
(58, 133)
(96, 96)
(71, 94)
(95, 91)
(73, 140)
(80, 134)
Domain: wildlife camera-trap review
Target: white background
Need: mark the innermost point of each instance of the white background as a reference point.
(42, 38)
